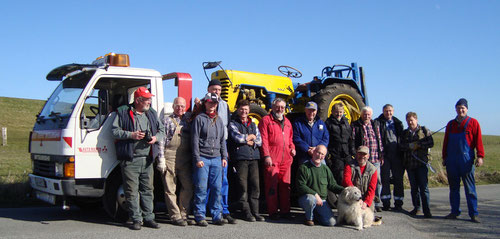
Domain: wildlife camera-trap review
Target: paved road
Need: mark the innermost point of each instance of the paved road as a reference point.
(52, 222)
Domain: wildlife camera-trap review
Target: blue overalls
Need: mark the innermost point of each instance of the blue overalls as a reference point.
(460, 165)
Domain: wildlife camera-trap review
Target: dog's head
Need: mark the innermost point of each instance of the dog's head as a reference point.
(352, 194)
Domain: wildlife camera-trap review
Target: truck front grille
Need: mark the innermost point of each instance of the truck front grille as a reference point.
(225, 89)
(44, 168)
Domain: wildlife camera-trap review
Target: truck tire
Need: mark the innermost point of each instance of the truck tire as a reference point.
(256, 113)
(338, 92)
(114, 197)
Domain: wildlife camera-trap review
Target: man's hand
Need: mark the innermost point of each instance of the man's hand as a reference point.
(292, 152)
(479, 162)
(319, 201)
(251, 137)
(137, 135)
(161, 166)
(310, 151)
(250, 143)
(224, 163)
(153, 140)
(268, 161)
(413, 146)
(200, 164)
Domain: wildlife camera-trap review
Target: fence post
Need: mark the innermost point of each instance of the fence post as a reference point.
(4, 136)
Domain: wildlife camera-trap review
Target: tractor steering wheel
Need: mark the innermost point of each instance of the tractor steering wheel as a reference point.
(289, 71)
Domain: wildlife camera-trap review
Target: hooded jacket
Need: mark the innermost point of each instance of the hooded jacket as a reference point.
(207, 137)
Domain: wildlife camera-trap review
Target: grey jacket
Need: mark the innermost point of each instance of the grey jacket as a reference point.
(208, 137)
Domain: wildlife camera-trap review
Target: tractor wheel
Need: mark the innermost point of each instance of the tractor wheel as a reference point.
(114, 197)
(256, 113)
(339, 93)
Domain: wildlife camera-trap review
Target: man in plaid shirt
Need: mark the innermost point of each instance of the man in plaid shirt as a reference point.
(366, 132)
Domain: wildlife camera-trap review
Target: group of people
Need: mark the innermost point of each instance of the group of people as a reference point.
(194, 151)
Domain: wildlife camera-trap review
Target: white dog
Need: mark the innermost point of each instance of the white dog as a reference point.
(350, 211)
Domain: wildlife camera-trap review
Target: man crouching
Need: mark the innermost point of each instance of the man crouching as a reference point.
(314, 179)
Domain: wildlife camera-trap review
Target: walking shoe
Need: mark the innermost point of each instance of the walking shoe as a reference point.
(135, 226)
(287, 216)
(259, 218)
(202, 223)
(475, 219)
(151, 224)
(378, 209)
(229, 219)
(398, 208)
(190, 222)
(309, 223)
(428, 215)
(249, 218)
(219, 222)
(415, 211)
(451, 216)
(179, 222)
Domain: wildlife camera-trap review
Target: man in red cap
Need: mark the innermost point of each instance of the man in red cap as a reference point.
(137, 131)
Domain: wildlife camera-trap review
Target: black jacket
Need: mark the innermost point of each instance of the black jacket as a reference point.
(242, 151)
(340, 145)
(359, 133)
(398, 125)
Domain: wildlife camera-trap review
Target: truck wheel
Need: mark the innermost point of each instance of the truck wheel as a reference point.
(256, 113)
(339, 93)
(114, 197)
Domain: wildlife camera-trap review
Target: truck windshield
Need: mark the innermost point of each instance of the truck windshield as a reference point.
(58, 108)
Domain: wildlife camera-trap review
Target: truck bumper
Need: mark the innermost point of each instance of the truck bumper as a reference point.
(49, 189)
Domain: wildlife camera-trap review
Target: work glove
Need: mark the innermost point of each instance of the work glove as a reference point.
(161, 166)
(413, 146)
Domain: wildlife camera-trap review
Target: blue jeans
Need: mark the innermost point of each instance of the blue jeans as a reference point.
(208, 177)
(324, 213)
(419, 189)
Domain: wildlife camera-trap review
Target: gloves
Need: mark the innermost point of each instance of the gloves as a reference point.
(161, 166)
(413, 146)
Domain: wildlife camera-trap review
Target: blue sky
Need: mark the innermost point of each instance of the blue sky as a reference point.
(420, 56)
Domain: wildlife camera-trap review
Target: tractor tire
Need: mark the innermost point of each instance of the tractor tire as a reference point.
(338, 92)
(256, 113)
(114, 197)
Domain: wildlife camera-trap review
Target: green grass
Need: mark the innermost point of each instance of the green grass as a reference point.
(19, 116)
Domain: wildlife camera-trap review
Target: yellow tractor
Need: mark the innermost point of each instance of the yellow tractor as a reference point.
(338, 83)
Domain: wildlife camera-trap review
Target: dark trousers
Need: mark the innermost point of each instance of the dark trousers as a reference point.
(419, 190)
(337, 167)
(138, 186)
(247, 172)
(392, 163)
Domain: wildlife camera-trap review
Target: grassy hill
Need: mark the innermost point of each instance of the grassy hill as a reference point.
(18, 116)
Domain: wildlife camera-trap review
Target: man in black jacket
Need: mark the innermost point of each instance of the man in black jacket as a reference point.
(391, 129)
(137, 132)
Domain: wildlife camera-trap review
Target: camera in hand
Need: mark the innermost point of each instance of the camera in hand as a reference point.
(147, 136)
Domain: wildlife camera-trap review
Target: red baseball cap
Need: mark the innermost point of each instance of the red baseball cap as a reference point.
(142, 92)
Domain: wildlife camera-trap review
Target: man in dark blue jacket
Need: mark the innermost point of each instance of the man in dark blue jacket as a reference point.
(309, 131)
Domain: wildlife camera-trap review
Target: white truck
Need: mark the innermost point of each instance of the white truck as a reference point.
(71, 145)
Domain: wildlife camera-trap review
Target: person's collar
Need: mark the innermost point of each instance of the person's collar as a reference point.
(459, 119)
(312, 162)
(211, 115)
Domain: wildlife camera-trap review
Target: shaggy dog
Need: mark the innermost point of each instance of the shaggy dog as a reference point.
(350, 212)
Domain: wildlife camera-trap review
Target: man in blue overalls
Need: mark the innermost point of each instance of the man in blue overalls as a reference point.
(462, 136)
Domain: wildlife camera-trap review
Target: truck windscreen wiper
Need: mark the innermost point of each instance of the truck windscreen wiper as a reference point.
(56, 115)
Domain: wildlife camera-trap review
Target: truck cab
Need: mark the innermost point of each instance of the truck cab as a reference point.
(71, 145)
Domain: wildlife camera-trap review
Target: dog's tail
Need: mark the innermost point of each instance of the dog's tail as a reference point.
(377, 221)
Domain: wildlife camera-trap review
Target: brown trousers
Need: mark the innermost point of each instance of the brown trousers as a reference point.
(178, 176)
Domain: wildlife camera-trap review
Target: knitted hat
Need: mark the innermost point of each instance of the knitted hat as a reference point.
(214, 82)
(462, 101)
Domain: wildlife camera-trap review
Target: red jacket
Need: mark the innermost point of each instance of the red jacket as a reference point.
(473, 135)
(277, 141)
(347, 182)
